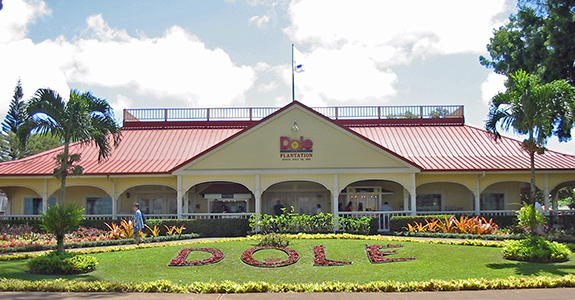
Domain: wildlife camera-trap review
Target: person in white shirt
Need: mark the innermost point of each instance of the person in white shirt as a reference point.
(386, 207)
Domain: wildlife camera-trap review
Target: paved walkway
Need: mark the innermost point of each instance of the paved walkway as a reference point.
(525, 294)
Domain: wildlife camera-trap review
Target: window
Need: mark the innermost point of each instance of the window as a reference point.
(428, 202)
(492, 201)
(98, 206)
(33, 206)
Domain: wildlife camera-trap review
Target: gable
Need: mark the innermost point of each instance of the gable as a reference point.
(322, 144)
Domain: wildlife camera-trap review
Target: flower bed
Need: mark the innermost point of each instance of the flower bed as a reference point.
(319, 258)
(377, 256)
(180, 259)
(247, 257)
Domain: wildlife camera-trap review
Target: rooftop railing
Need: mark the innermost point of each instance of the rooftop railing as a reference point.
(258, 113)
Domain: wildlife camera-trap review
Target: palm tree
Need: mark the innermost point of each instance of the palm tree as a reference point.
(61, 219)
(536, 110)
(84, 118)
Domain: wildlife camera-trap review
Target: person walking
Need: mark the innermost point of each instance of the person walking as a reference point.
(138, 222)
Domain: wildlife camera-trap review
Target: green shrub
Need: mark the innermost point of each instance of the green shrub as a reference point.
(356, 225)
(536, 249)
(320, 223)
(508, 221)
(62, 263)
(273, 239)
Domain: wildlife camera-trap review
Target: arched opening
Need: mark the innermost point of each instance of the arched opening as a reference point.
(218, 197)
(20, 201)
(95, 201)
(371, 195)
(303, 196)
(563, 197)
(156, 201)
(505, 196)
(444, 197)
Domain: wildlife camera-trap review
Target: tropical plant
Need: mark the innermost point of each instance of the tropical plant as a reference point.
(61, 219)
(84, 118)
(536, 110)
(155, 231)
(527, 214)
(123, 231)
(464, 224)
(173, 230)
(536, 249)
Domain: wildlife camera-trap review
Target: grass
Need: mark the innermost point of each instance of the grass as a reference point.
(434, 261)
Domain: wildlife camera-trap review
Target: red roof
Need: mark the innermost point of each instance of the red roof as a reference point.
(145, 151)
(460, 148)
(429, 147)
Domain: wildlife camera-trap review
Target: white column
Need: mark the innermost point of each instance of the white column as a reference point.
(335, 196)
(115, 197)
(546, 191)
(405, 199)
(258, 195)
(413, 195)
(477, 195)
(180, 195)
(45, 195)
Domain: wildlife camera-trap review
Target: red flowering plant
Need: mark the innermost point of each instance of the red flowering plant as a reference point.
(319, 258)
(248, 258)
(180, 259)
(377, 256)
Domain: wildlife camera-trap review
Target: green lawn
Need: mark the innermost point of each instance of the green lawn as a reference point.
(434, 261)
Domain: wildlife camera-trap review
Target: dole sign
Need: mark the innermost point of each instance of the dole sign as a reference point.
(295, 149)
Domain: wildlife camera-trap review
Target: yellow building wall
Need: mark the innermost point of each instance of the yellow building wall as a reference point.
(247, 180)
(492, 178)
(512, 192)
(454, 196)
(333, 147)
(325, 180)
(401, 178)
(16, 196)
(467, 180)
(125, 183)
(78, 194)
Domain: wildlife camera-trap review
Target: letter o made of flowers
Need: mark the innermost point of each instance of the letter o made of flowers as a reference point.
(247, 257)
(180, 259)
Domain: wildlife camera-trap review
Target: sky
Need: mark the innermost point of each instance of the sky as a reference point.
(230, 53)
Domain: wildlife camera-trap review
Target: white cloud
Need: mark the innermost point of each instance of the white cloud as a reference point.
(260, 22)
(494, 84)
(446, 26)
(175, 66)
(119, 103)
(16, 15)
(355, 44)
(343, 76)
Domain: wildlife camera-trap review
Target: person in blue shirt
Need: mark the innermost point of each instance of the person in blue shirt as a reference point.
(138, 222)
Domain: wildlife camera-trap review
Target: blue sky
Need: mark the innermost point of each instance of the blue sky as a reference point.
(208, 53)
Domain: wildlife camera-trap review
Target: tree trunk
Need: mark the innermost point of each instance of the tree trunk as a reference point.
(63, 174)
(533, 194)
(60, 243)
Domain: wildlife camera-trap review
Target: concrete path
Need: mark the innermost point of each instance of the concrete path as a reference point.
(525, 294)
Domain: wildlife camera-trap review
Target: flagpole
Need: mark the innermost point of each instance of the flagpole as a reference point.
(292, 76)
